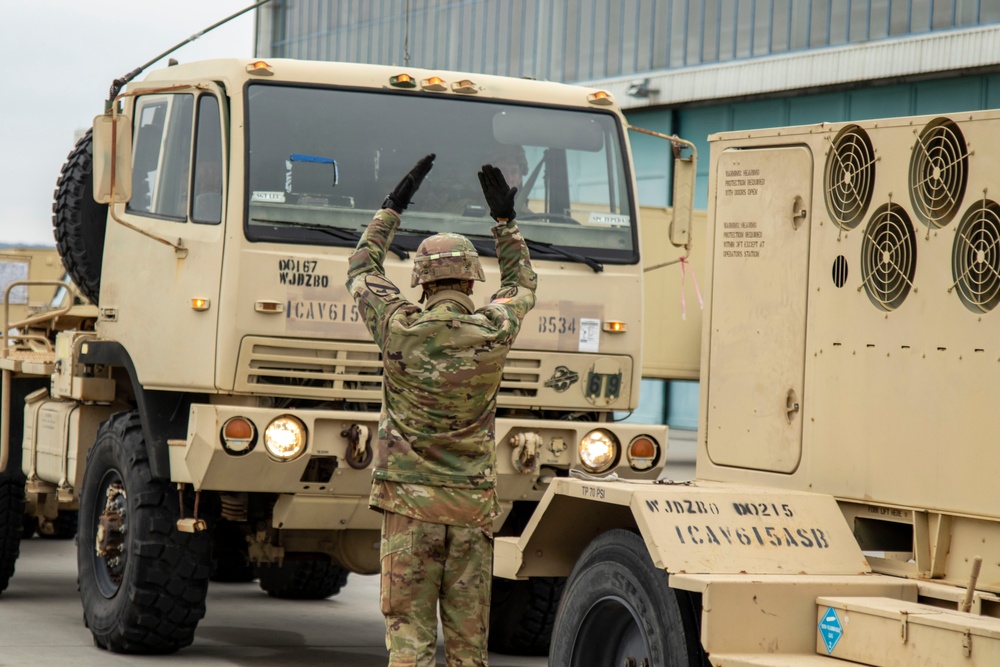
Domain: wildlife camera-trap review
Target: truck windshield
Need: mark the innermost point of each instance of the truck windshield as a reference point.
(325, 157)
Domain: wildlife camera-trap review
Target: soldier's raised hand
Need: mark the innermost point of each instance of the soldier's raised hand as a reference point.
(499, 195)
(400, 198)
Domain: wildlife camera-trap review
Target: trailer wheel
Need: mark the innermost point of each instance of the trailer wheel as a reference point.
(142, 582)
(522, 614)
(62, 528)
(310, 577)
(11, 523)
(618, 610)
(230, 554)
(79, 221)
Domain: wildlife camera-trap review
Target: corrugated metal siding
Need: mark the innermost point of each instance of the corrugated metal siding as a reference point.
(900, 58)
(593, 39)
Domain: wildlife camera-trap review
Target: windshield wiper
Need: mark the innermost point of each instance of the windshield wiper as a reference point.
(542, 246)
(337, 232)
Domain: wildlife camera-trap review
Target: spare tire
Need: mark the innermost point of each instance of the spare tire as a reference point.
(79, 221)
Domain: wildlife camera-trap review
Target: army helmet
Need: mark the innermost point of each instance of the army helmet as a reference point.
(446, 257)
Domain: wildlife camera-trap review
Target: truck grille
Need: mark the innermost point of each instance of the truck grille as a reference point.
(348, 371)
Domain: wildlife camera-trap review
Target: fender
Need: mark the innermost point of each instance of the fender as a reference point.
(164, 414)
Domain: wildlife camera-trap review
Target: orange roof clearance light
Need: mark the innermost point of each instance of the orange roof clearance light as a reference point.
(260, 68)
(435, 84)
(601, 97)
(465, 86)
(402, 81)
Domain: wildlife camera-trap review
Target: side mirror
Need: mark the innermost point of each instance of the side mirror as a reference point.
(112, 166)
(684, 175)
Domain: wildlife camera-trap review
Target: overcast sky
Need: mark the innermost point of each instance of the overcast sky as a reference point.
(59, 58)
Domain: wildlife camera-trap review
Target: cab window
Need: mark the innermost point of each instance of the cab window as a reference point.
(172, 133)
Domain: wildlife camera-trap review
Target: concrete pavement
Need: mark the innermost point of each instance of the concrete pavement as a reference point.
(41, 624)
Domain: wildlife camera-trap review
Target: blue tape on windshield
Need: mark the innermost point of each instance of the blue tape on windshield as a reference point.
(316, 159)
(298, 157)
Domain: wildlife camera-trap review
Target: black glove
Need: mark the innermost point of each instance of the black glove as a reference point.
(400, 198)
(499, 196)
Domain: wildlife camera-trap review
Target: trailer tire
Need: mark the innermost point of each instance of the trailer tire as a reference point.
(304, 578)
(142, 582)
(79, 222)
(230, 554)
(11, 523)
(63, 527)
(617, 606)
(522, 614)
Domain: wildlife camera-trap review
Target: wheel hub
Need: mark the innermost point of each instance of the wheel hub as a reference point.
(112, 528)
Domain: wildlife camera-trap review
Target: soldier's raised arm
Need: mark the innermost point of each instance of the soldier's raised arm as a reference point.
(376, 296)
(517, 279)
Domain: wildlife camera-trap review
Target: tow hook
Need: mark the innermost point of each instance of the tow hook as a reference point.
(524, 457)
(192, 524)
(359, 446)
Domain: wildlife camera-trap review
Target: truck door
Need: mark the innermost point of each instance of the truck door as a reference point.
(758, 319)
(162, 305)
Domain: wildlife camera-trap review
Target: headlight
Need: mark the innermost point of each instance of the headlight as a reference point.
(285, 438)
(642, 452)
(598, 450)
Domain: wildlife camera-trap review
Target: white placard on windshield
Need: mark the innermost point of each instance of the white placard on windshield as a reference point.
(609, 219)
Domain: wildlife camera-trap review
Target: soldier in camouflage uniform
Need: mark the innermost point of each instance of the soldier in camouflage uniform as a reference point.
(435, 459)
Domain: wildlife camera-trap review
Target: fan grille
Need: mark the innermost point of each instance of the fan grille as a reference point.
(975, 263)
(888, 257)
(850, 176)
(939, 171)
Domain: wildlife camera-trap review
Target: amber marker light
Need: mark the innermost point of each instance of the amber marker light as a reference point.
(200, 304)
(601, 97)
(402, 81)
(465, 86)
(435, 84)
(238, 436)
(260, 68)
(642, 453)
(614, 326)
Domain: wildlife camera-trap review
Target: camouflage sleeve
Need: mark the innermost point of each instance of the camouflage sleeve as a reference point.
(377, 297)
(518, 281)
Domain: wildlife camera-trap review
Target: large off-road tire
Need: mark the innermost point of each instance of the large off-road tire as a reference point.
(142, 582)
(11, 523)
(522, 614)
(303, 578)
(618, 609)
(78, 221)
(12, 517)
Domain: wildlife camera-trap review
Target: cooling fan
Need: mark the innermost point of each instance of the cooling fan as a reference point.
(888, 257)
(939, 170)
(975, 257)
(850, 176)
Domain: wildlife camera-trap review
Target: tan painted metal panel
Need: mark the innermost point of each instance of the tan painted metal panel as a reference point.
(925, 636)
(699, 527)
(758, 322)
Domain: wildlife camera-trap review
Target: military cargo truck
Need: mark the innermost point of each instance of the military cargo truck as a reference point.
(219, 409)
(843, 510)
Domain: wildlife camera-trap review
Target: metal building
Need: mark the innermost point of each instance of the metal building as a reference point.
(690, 67)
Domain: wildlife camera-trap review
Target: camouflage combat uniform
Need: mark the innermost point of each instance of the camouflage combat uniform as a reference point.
(435, 459)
